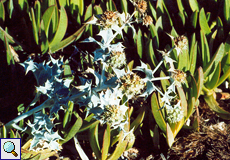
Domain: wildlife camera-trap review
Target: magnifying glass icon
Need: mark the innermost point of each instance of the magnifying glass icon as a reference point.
(9, 147)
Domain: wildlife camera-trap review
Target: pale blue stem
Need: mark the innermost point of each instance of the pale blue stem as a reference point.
(47, 104)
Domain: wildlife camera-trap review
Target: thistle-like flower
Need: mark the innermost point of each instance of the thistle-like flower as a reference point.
(117, 59)
(141, 6)
(147, 20)
(107, 19)
(113, 112)
(174, 113)
(179, 77)
(180, 42)
(132, 84)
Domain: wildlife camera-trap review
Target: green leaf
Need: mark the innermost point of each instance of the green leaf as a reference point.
(227, 11)
(93, 139)
(37, 7)
(47, 16)
(194, 5)
(224, 77)
(97, 10)
(67, 70)
(78, 5)
(200, 81)
(88, 12)
(169, 136)
(3, 132)
(111, 5)
(130, 65)
(68, 114)
(151, 55)
(2, 13)
(205, 53)
(214, 78)
(157, 113)
(193, 19)
(124, 6)
(12, 135)
(153, 11)
(106, 143)
(4, 34)
(183, 100)
(69, 39)
(120, 148)
(62, 27)
(88, 125)
(213, 104)
(193, 58)
(203, 22)
(34, 26)
(10, 7)
(137, 122)
(139, 43)
(215, 60)
(211, 41)
(154, 35)
(73, 131)
(9, 56)
(44, 39)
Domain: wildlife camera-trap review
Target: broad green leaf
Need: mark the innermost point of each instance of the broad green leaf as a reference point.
(183, 62)
(191, 104)
(47, 16)
(23, 4)
(139, 43)
(157, 113)
(139, 119)
(130, 65)
(44, 39)
(69, 39)
(154, 35)
(193, 19)
(10, 7)
(4, 34)
(34, 26)
(194, 5)
(88, 125)
(97, 10)
(68, 114)
(64, 3)
(88, 12)
(153, 11)
(214, 78)
(211, 41)
(159, 25)
(169, 136)
(3, 132)
(227, 11)
(78, 5)
(124, 6)
(67, 70)
(38, 13)
(9, 56)
(120, 148)
(73, 131)
(62, 27)
(93, 139)
(106, 143)
(111, 5)
(213, 104)
(193, 58)
(203, 22)
(12, 135)
(184, 104)
(2, 13)
(200, 81)
(151, 55)
(215, 60)
(205, 53)
(224, 77)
